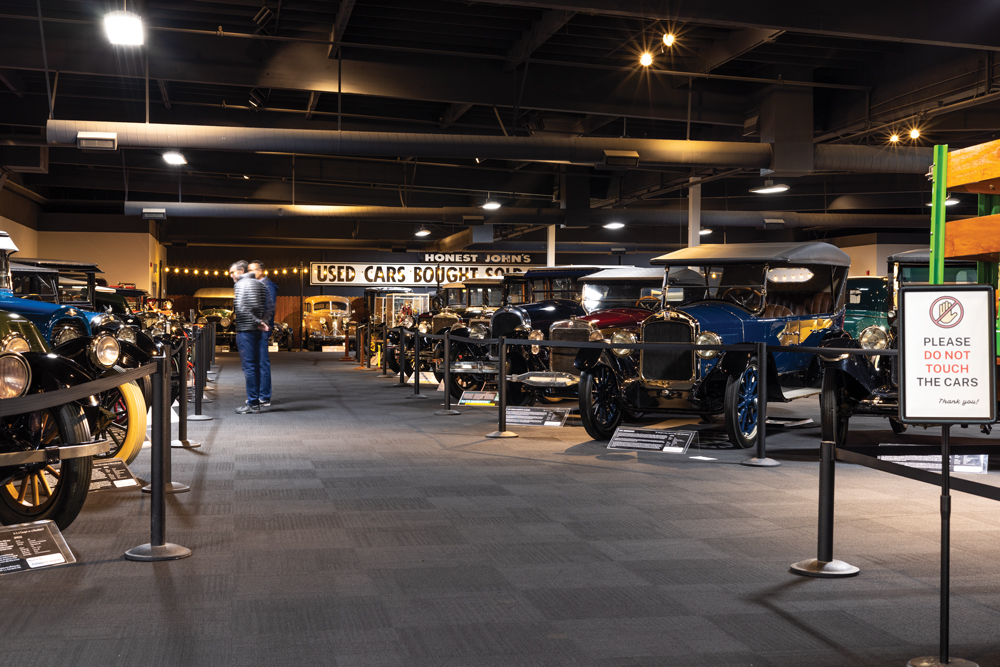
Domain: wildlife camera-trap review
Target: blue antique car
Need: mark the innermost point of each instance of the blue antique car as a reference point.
(780, 293)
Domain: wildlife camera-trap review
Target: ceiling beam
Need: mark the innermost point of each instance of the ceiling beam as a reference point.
(737, 44)
(895, 20)
(339, 26)
(163, 92)
(453, 113)
(12, 80)
(541, 30)
(313, 101)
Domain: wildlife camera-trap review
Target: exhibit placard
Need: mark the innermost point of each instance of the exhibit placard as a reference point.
(30, 546)
(652, 440)
(430, 274)
(481, 398)
(947, 352)
(111, 475)
(536, 416)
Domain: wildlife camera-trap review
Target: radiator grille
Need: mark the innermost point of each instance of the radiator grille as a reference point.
(667, 365)
(505, 322)
(562, 358)
(442, 321)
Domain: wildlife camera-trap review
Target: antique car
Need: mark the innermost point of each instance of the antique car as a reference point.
(857, 385)
(547, 295)
(282, 336)
(324, 320)
(617, 301)
(463, 303)
(789, 294)
(39, 491)
(866, 305)
(215, 304)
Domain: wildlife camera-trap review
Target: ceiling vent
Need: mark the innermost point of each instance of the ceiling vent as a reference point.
(154, 214)
(621, 159)
(97, 141)
(772, 223)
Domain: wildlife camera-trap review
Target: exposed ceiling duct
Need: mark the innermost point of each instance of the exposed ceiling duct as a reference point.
(573, 150)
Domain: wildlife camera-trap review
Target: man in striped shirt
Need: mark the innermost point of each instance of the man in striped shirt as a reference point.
(249, 311)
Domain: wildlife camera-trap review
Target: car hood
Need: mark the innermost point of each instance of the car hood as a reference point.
(40, 312)
(617, 317)
(218, 312)
(717, 316)
(544, 313)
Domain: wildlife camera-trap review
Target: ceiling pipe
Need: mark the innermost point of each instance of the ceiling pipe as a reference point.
(602, 248)
(572, 150)
(528, 216)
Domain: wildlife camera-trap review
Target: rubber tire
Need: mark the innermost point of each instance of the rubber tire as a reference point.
(600, 382)
(136, 420)
(461, 382)
(739, 439)
(830, 399)
(74, 481)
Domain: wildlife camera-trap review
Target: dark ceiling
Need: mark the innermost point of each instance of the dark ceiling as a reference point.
(559, 68)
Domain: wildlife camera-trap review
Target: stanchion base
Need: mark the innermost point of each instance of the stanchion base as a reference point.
(199, 418)
(424, 396)
(756, 462)
(501, 434)
(833, 569)
(401, 386)
(447, 412)
(171, 487)
(147, 552)
(184, 444)
(935, 661)
(386, 377)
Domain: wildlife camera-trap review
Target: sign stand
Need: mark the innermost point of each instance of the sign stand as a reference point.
(502, 431)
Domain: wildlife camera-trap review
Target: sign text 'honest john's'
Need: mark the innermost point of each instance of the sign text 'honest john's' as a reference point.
(438, 268)
(948, 356)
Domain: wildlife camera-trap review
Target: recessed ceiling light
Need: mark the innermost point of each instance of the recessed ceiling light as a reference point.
(646, 59)
(124, 28)
(614, 225)
(769, 188)
(245, 177)
(705, 232)
(914, 133)
(668, 39)
(173, 157)
(423, 231)
(894, 138)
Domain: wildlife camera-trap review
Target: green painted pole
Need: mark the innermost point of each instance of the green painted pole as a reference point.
(939, 193)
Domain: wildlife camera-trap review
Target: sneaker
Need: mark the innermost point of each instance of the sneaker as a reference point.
(247, 409)
(265, 404)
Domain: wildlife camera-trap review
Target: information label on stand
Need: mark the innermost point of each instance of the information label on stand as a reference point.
(111, 475)
(522, 416)
(30, 546)
(482, 398)
(947, 354)
(652, 440)
(976, 464)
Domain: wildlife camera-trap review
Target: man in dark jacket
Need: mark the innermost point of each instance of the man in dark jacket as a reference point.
(249, 311)
(257, 267)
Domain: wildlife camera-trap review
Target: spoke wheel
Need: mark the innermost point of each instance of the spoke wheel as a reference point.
(38, 492)
(461, 382)
(122, 420)
(600, 410)
(741, 407)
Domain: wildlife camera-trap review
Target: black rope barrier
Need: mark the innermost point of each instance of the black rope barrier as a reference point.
(50, 399)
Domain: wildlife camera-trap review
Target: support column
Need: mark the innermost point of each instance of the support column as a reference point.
(694, 213)
(550, 246)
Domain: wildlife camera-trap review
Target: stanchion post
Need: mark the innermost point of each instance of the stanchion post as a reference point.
(416, 368)
(368, 346)
(400, 348)
(211, 345)
(158, 548)
(447, 377)
(761, 460)
(824, 565)
(502, 431)
(382, 351)
(201, 357)
(169, 485)
(182, 404)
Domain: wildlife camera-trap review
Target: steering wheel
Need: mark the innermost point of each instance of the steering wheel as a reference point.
(648, 302)
(747, 297)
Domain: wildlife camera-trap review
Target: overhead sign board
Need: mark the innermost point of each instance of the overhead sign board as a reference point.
(947, 352)
(436, 269)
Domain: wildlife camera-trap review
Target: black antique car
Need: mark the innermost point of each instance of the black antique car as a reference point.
(856, 385)
(215, 304)
(785, 294)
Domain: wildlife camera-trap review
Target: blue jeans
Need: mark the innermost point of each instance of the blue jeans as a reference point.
(265, 366)
(248, 343)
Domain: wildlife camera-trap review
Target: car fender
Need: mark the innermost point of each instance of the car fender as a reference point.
(131, 355)
(51, 372)
(862, 378)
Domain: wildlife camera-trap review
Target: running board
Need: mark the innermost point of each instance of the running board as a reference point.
(792, 394)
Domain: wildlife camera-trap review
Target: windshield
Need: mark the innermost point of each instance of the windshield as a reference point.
(866, 295)
(742, 285)
(616, 295)
(73, 288)
(485, 296)
(35, 286)
(517, 291)
(455, 297)
(563, 287)
(918, 275)
(321, 305)
(4, 271)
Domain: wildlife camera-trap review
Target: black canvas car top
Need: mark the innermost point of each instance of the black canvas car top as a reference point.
(922, 256)
(17, 267)
(812, 252)
(625, 274)
(67, 264)
(560, 271)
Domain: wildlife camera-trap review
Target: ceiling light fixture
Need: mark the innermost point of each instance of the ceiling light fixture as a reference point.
(950, 201)
(894, 138)
(614, 225)
(245, 177)
(256, 99)
(173, 157)
(769, 188)
(423, 231)
(646, 59)
(668, 39)
(123, 28)
(914, 133)
(491, 204)
(705, 232)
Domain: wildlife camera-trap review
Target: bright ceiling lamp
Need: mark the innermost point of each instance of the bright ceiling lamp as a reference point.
(614, 225)
(423, 231)
(123, 28)
(705, 232)
(668, 39)
(646, 59)
(491, 204)
(769, 188)
(894, 139)
(173, 157)
(914, 133)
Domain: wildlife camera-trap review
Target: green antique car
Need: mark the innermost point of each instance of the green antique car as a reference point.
(867, 306)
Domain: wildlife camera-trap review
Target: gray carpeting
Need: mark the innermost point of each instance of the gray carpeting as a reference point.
(349, 526)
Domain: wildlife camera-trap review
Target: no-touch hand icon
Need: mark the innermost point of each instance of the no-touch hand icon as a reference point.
(946, 312)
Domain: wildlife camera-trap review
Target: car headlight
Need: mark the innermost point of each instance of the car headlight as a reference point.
(225, 322)
(424, 328)
(708, 338)
(479, 330)
(126, 334)
(874, 338)
(104, 351)
(407, 322)
(623, 338)
(16, 343)
(535, 334)
(202, 320)
(168, 305)
(64, 335)
(15, 375)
